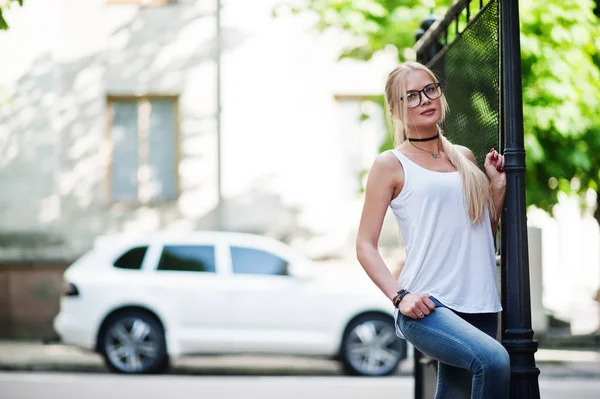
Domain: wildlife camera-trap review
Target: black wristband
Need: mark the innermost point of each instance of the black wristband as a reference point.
(402, 294)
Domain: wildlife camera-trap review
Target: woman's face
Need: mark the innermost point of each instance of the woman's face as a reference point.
(423, 99)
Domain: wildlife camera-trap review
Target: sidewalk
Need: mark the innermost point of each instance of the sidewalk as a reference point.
(36, 356)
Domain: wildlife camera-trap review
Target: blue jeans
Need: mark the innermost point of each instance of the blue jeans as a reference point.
(472, 363)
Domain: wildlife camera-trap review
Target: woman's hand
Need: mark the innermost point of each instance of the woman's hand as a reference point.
(494, 167)
(416, 306)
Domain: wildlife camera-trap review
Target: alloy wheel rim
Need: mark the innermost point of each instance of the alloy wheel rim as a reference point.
(131, 344)
(371, 347)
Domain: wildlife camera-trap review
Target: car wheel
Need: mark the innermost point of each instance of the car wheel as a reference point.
(370, 346)
(133, 342)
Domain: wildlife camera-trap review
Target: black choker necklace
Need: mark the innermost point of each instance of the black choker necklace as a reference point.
(425, 139)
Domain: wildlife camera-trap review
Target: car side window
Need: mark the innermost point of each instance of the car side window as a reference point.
(255, 261)
(132, 259)
(189, 258)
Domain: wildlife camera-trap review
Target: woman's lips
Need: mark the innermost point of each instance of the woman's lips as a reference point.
(428, 111)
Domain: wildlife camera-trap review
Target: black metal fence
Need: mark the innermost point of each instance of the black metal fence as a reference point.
(463, 51)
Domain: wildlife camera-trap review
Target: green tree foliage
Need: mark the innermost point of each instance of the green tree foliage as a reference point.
(375, 24)
(561, 96)
(6, 6)
(560, 70)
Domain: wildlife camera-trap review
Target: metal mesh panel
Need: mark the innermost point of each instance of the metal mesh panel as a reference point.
(470, 72)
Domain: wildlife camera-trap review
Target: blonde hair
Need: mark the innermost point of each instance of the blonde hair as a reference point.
(475, 182)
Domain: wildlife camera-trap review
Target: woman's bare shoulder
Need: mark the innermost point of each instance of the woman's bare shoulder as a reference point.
(387, 166)
(387, 162)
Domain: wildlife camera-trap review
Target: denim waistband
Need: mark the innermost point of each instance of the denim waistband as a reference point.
(470, 317)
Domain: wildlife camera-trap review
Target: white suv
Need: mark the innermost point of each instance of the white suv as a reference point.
(140, 301)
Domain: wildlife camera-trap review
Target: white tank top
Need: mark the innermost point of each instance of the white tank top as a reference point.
(446, 256)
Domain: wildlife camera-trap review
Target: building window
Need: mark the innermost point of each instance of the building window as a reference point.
(362, 132)
(143, 3)
(142, 134)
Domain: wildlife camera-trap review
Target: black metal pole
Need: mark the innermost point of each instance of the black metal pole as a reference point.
(517, 335)
(418, 373)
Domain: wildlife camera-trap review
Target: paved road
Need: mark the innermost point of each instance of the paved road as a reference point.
(109, 386)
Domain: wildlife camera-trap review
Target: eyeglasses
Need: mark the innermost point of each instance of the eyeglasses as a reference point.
(413, 97)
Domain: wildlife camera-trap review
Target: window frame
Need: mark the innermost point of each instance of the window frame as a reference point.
(140, 101)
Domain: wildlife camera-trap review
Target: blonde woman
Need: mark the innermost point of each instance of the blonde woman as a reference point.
(446, 298)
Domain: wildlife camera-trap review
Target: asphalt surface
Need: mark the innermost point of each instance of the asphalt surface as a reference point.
(31, 370)
(40, 385)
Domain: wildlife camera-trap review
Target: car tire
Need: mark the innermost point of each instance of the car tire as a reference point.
(370, 346)
(133, 342)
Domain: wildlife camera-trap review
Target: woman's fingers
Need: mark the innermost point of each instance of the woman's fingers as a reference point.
(415, 312)
(491, 158)
(422, 310)
(417, 306)
(418, 314)
(429, 303)
(495, 159)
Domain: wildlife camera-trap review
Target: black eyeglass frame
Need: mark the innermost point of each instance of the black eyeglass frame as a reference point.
(422, 91)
